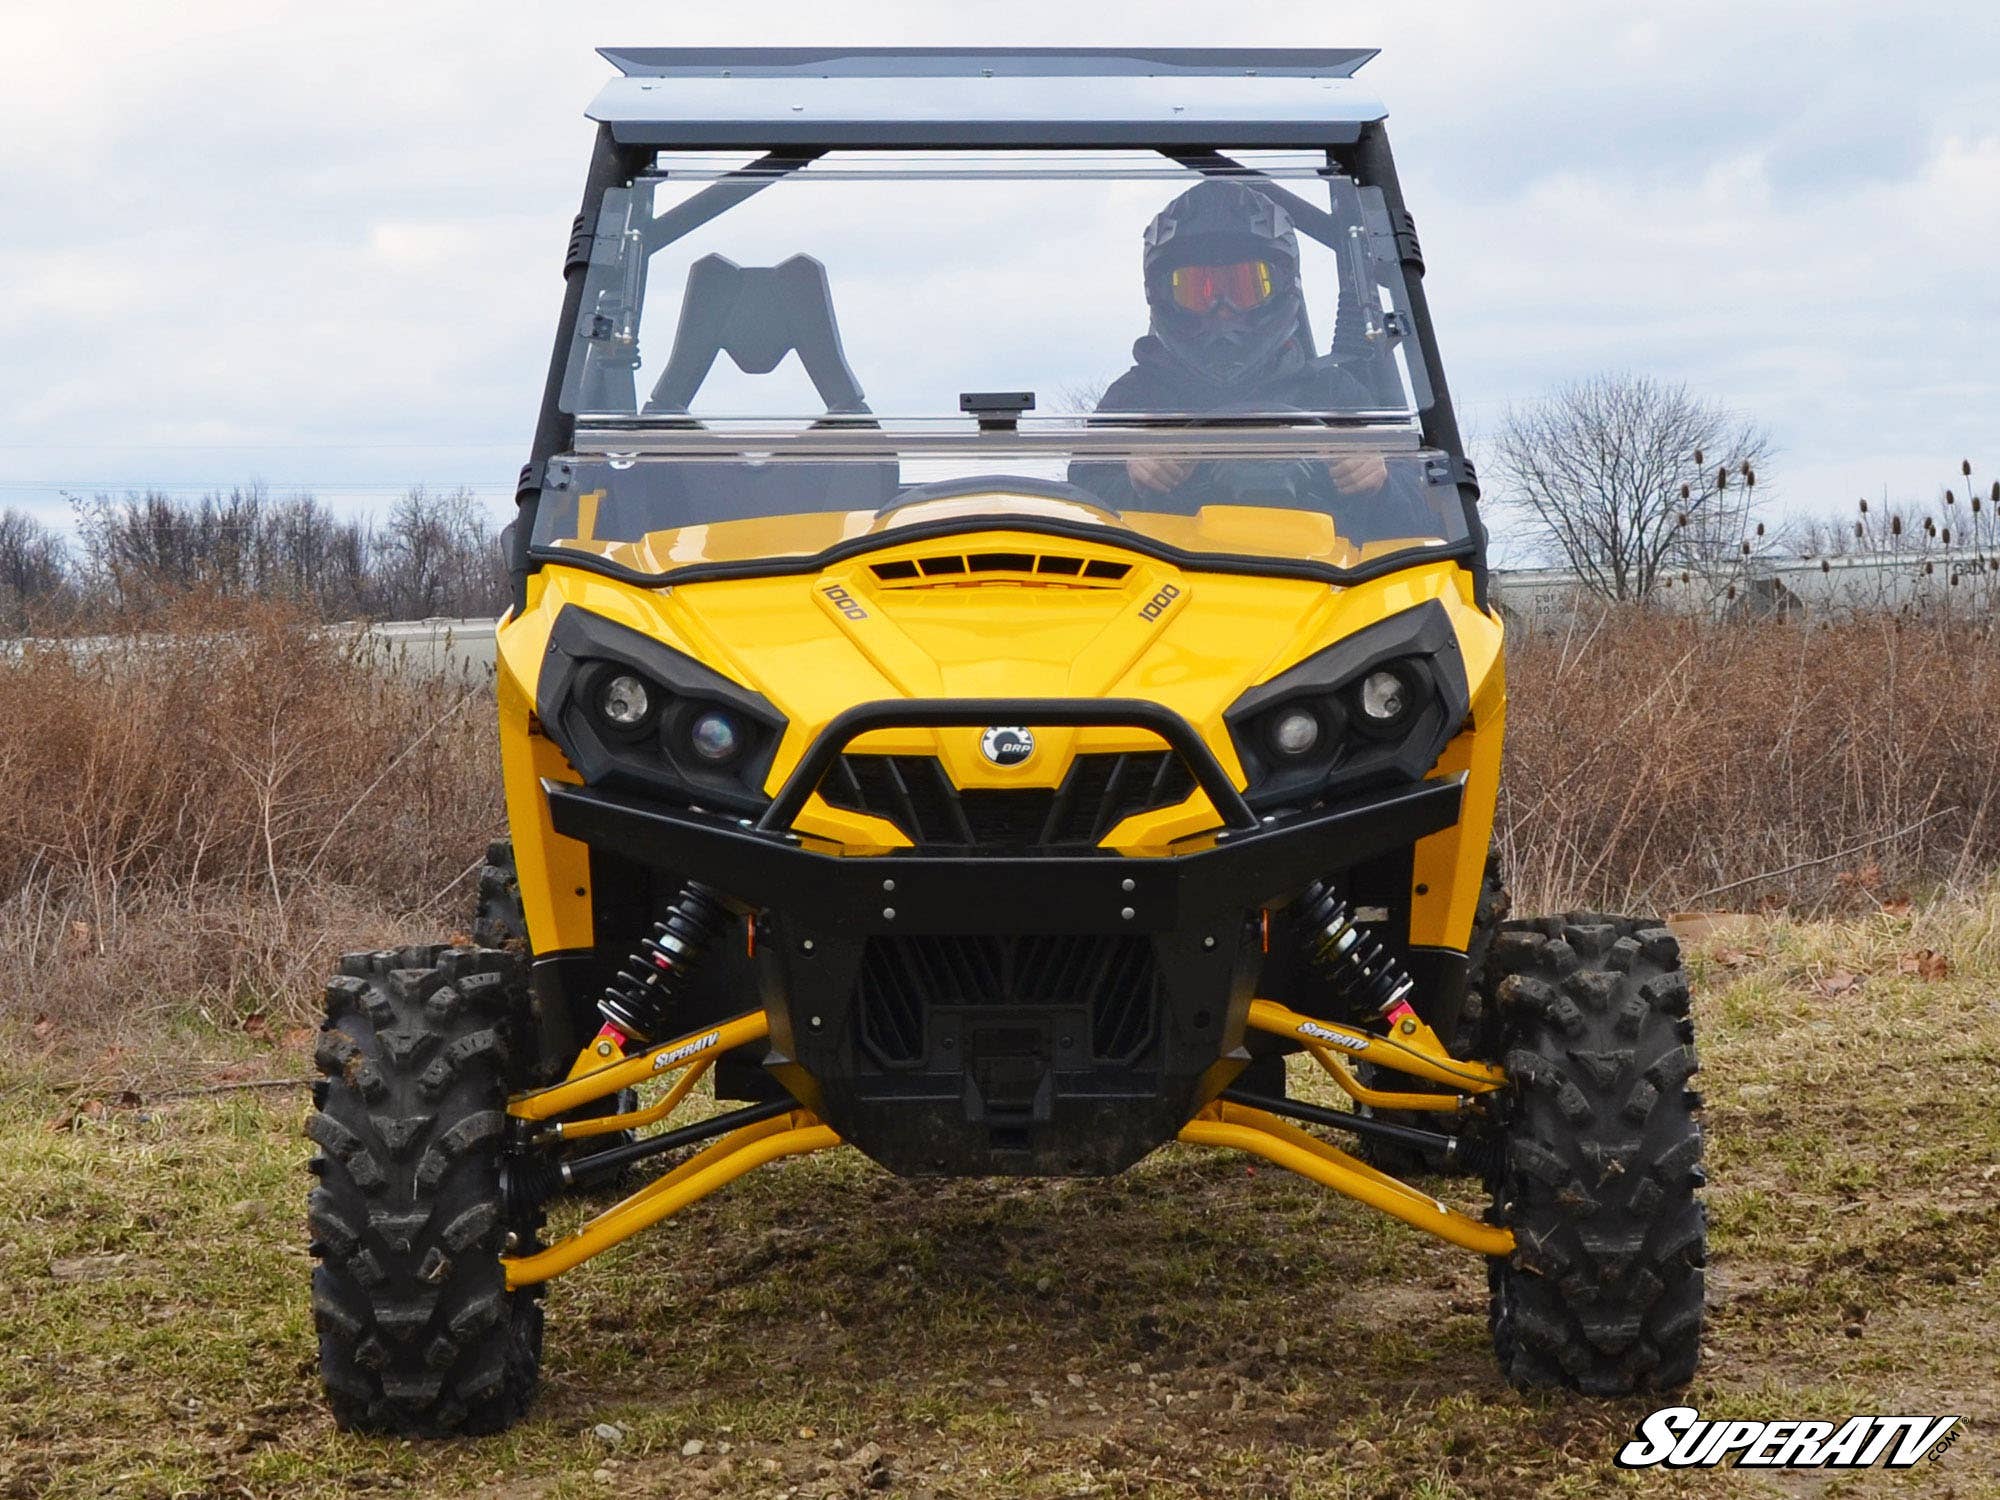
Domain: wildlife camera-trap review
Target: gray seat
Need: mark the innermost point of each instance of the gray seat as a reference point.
(757, 315)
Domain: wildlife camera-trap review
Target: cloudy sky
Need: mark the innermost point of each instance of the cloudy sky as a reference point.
(319, 244)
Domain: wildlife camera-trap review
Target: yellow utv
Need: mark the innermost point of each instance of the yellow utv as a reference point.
(948, 728)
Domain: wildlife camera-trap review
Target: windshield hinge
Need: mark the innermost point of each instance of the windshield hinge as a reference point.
(1408, 251)
(580, 242)
(558, 474)
(1457, 472)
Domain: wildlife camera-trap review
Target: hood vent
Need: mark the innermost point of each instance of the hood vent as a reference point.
(962, 567)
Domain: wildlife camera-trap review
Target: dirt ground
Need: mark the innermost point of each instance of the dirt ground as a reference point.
(1201, 1326)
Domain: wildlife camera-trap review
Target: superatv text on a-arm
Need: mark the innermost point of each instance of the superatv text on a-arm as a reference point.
(1009, 769)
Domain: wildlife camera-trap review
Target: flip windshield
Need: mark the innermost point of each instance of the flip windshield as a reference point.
(777, 356)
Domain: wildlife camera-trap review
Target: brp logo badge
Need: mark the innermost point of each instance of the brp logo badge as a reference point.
(1007, 744)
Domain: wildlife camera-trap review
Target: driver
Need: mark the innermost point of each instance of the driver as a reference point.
(1229, 331)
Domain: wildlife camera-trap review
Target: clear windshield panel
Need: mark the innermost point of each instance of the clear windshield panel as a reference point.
(1317, 495)
(735, 292)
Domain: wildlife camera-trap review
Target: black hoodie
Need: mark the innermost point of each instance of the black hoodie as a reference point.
(1159, 384)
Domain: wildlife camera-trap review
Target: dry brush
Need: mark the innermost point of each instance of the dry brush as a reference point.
(204, 813)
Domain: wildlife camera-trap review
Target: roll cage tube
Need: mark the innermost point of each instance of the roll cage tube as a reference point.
(1371, 164)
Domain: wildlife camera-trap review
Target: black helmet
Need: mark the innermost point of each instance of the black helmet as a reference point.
(1222, 279)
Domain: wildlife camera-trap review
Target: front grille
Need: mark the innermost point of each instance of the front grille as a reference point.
(903, 979)
(1100, 791)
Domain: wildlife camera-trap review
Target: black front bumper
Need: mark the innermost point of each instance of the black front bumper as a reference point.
(969, 1015)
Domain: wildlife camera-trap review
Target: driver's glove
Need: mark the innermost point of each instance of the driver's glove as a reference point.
(1158, 475)
(1362, 474)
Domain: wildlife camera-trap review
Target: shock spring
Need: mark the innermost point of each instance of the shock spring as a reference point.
(639, 999)
(1364, 974)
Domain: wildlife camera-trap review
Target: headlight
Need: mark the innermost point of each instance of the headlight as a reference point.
(624, 701)
(716, 737)
(1385, 698)
(1293, 732)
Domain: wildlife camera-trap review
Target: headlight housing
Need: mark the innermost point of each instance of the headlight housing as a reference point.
(630, 711)
(1384, 702)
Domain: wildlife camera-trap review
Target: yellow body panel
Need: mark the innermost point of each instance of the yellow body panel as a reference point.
(555, 883)
(815, 645)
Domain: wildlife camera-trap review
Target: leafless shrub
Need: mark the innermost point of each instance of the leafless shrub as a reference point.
(1657, 762)
(1940, 555)
(234, 789)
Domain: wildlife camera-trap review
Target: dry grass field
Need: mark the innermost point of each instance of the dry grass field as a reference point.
(199, 821)
(1195, 1328)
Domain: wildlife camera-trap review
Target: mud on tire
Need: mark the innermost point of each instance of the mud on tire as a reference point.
(1601, 1160)
(417, 1332)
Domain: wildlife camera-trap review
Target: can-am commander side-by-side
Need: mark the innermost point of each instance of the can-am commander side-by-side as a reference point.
(1000, 662)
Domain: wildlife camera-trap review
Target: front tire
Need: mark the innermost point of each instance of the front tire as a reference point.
(497, 918)
(1601, 1160)
(418, 1334)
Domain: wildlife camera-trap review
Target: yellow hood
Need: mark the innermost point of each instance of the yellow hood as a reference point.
(991, 613)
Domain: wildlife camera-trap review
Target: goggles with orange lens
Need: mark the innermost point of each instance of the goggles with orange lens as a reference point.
(1243, 285)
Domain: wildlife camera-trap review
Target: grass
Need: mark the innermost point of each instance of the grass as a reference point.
(1200, 1326)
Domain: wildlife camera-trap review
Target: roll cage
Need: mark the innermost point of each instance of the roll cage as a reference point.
(794, 105)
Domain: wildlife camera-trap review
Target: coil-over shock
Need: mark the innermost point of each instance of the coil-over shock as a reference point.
(1364, 974)
(639, 1000)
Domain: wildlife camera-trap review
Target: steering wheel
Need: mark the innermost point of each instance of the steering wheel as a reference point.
(1287, 483)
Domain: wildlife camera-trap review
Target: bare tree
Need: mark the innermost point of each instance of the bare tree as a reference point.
(1629, 478)
(34, 569)
(437, 555)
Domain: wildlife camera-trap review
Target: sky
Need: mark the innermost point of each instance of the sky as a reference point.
(319, 245)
